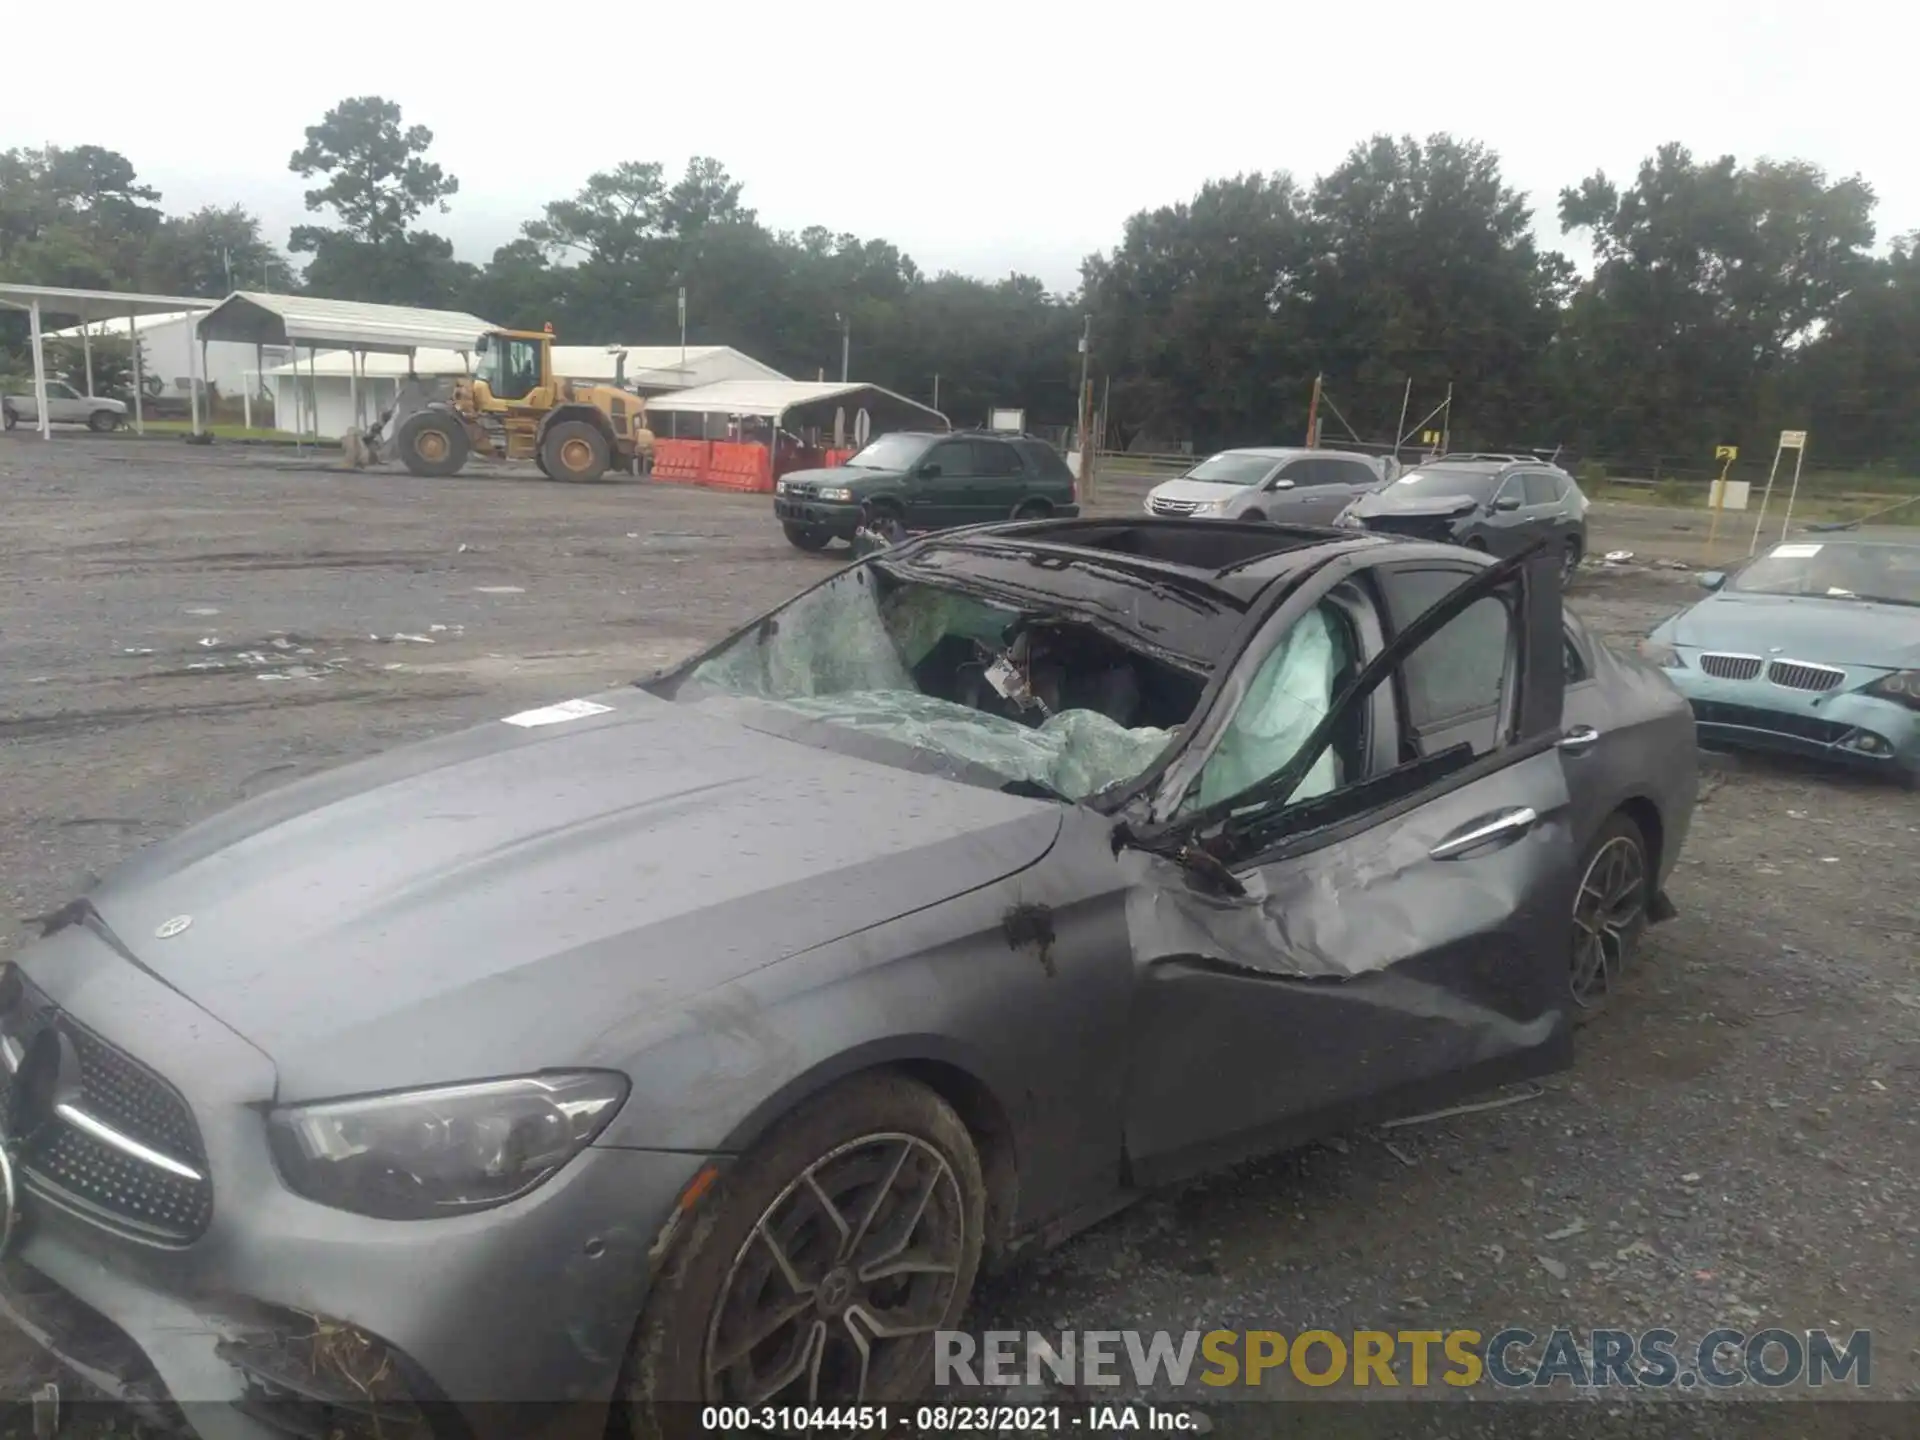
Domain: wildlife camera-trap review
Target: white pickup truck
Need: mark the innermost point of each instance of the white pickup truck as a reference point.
(65, 406)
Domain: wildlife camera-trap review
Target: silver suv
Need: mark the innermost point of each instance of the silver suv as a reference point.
(1295, 487)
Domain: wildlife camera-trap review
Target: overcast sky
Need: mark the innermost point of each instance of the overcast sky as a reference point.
(1056, 120)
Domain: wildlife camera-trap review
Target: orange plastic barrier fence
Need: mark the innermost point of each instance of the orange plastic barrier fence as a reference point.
(838, 457)
(680, 462)
(738, 465)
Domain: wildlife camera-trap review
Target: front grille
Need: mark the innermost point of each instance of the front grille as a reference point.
(82, 1171)
(1731, 667)
(1415, 527)
(1173, 509)
(1798, 675)
(1748, 717)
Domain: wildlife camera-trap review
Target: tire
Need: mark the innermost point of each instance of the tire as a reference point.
(810, 538)
(7, 418)
(1032, 510)
(574, 450)
(1609, 915)
(1571, 565)
(1476, 543)
(725, 1275)
(1253, 516)
(101, 421)
(432, 443)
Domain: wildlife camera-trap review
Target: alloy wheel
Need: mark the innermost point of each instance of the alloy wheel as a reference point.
(1606, 916)
(842, 1277)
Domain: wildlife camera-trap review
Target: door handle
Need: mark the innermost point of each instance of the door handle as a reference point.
(1509, 824)
(1579, 739)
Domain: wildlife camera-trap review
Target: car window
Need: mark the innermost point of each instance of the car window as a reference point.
(1453, 685)
(1575, 662)
(991, 457)
(954, 457)
(61, 391)
(1354, 472)
(1512, 488)
(1541, 488)
(1290, 693)
(1302, 473)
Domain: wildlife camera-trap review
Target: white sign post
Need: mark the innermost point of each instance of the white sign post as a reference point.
(1796, 441)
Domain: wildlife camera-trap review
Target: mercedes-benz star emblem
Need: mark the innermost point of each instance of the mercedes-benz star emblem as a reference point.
(167, 929)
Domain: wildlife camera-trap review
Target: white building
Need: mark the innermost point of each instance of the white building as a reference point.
(326, 385)
(166, 342)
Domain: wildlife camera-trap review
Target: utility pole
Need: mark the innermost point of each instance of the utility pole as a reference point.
(683, 331)
(936, 390)
(1313, 415)
(846, 344)
(1400, 431)
(1086, 405)
(1446, 422)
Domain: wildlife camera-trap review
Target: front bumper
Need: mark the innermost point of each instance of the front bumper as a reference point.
(515, 1320)
(838, 518)
(1842, 727)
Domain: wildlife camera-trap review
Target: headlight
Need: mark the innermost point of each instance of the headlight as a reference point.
(1902, 687)
(1661, 654)
(834, 492)
(445, 1151)
(779, 487)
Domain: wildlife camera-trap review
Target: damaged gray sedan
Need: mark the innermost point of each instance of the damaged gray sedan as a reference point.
(703, 1040)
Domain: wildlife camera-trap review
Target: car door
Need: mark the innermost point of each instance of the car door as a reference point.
(1504, 525)
(1002, 484)
(1545, 509)
(65, 404)
(943, 490)
(1402, 935)
(1335, 482)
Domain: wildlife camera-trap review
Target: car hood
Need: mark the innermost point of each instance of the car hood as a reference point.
(1381, 502)
(492, 901)
(1804, 627)
(851, 476)
(1205, 491)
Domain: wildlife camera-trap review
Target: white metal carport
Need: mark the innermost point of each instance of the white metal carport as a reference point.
(359, 329)
(87, 307)
(773, 400)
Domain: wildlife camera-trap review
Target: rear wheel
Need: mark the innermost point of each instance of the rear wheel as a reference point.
(806, 537)
(7, 418)
(819, 1268)
(432, 442)
(101, 421)
(1476, 543)
(1032, 510)
(574, 450)
(1609, 914)
(1571, 565)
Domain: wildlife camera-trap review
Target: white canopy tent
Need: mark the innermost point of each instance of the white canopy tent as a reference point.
(774, 400)
(89, 307)
(358, 329)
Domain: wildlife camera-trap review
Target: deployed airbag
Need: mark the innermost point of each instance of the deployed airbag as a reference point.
(1289, 695)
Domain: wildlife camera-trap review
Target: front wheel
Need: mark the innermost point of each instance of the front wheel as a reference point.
(819, 1268)
(432, 443)
(7, 418)
(1570, 566)
(102, 421)
(574, 450)
(1609, 914)
(807, 537)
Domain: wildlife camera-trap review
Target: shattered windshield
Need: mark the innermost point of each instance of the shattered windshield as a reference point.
(891, 452)
(1846, 570)
(1031, 696)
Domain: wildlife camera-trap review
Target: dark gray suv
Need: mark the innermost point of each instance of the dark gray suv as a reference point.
(1496, 503)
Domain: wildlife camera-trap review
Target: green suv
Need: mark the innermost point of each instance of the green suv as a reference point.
(926, 481)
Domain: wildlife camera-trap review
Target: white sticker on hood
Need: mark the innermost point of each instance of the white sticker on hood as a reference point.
(557, 714)
(1794, 552)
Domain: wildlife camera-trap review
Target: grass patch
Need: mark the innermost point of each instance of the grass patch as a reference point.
(219, 431)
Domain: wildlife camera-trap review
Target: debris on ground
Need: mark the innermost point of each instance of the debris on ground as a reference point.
(1567, 1232)
(1553, 1267)
(1499, 1102)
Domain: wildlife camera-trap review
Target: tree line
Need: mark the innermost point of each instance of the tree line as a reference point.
(1725, 300)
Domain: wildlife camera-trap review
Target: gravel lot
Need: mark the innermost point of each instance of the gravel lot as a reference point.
(1736, 1146)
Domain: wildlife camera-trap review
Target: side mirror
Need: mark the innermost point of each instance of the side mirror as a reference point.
(929, 471)
(1711, 579)
(1507, 502)
(1281, 484)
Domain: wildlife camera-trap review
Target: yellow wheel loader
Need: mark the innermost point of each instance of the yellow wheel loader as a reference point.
(513, 407)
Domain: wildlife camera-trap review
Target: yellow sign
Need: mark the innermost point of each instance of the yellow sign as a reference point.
(1429, 437)
(1726, 452)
